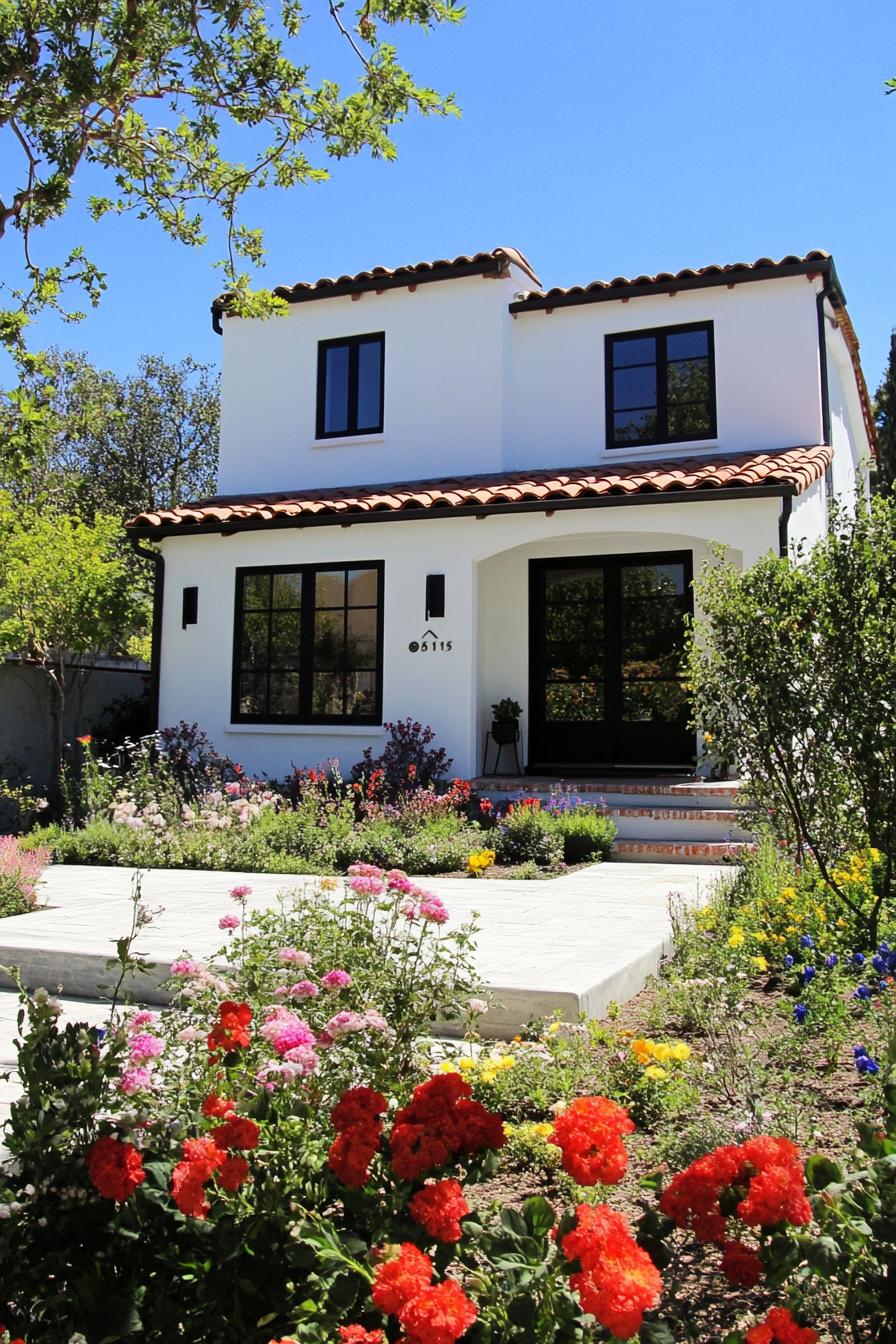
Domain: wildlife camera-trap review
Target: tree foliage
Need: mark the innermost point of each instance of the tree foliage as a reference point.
(186, 106)
(885, 416)
(793, 670)
(118, 445)
(65, 591)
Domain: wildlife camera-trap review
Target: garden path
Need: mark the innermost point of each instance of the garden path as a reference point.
(569, 944)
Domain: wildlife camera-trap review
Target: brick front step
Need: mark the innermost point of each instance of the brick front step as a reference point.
(676, 851)
(722, 792)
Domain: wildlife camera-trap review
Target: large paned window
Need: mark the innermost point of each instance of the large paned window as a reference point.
(350, 386)
(660, 386)
(308, 644)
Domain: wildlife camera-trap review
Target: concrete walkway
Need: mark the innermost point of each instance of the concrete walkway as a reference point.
(571, 944)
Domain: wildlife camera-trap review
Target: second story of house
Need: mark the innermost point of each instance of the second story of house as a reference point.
(471, 367)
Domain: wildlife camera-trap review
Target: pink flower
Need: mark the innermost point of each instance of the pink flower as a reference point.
(232, 789)
(336, 980)
(399, 881)
(240, 893)
(303, 989)
(229, 922)
(277, 1073)
(366, 886)
(291, 956)
(433, 910)
(365, 870)
(141, 1019)
(304, 1058)
(184, 966)
(190, 1034)
(347, 1023)
(135, 1079)
(284, 1030)
(145, 1046)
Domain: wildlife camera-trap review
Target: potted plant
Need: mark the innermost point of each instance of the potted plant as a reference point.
(506, 721)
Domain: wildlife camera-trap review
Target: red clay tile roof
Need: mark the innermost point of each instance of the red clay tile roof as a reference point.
(788, 472)
(762, 269)
(494, 263)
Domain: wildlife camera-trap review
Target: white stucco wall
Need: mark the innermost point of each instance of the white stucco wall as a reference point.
(485, 563)
(848, 437)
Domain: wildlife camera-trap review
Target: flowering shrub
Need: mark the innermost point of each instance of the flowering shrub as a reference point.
(408, 759)
(20, 871)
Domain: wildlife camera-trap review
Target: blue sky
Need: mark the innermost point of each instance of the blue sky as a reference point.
(601, 139)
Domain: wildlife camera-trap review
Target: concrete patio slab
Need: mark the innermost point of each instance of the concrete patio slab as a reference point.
(571, 944)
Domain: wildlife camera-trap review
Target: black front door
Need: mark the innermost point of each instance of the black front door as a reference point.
(606, 639)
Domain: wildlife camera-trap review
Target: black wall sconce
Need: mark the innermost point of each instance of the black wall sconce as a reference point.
(435, 595)
(189, 607)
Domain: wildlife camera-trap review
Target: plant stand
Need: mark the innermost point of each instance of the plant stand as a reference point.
(499, 746)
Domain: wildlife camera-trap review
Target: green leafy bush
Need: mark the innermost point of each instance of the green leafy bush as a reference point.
(587, 833)
(528, 835)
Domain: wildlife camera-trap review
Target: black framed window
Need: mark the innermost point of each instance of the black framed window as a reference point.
(350, 385)
(308, 644)
(661, 385)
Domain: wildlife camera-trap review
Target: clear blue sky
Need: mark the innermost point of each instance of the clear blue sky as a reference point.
(601, 139)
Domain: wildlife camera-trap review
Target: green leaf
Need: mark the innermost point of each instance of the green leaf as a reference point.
(655, 1332)
(539, 1216)
(822, 1171)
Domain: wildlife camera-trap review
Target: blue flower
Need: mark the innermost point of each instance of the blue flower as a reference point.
(788, 961)
(883, 947)
(806, 941)
(863, 992)
(808, 973)
(882, 984)
(891, 962)
(859, 1050)
(865, 1064)
(859, 958)
(831, 960)
(879, 964)
(800, 1013)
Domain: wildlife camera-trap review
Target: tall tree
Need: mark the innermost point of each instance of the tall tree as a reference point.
(117, 445)
(885, 415)
(65, 592)
(159, 93)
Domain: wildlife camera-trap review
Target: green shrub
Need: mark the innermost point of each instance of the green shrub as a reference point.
(528, 834)
(587, 834)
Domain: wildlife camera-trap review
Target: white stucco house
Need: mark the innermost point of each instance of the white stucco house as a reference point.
(443, 484)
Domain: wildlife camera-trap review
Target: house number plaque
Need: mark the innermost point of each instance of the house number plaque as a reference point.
(429, 642)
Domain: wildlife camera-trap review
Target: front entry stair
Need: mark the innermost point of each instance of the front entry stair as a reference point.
(659, 820)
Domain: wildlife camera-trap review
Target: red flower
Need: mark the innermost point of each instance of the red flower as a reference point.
(233, 1172)
(356, 1334)
(777, 1193)
(741, 1265)
(618, 1281)
(203, 1154)
(217, 1107)
(357, 1106)
(237, 1132)
(230, 1032)
(115, 1168)
(589, 1136)
(780, 1326)
(438, 1315)
(188, 1190)
(352, 1152)
(441, 1121)
(439, 1208)
(401, 1277)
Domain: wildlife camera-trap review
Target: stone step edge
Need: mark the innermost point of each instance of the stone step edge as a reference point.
(658, 813)
(534, 788)
(689, 847)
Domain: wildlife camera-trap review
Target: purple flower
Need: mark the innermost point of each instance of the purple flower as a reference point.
(879, 964)
(800, 1013)
(806, 941)
(831, 960)
(859, 958)
(788, 961)
(808, 974)
(863, 992)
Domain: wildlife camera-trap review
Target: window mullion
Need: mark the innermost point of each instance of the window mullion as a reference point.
(662, 389)
(353, 362)
(306, 641)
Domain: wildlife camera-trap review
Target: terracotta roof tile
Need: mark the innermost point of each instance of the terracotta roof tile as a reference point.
(715, 274)
(792, 470)
(496, 262)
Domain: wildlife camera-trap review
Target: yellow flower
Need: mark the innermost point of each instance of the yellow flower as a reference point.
(553, 1028)
(736, 937)
(449, 1066)
(788, 893)
(543, 1130)
(761, 936)
(488, 1076)
(760, 963)
(680, 1051)
(661, 1052)
(507, 1062)
(466, 1063)
(654, 1071)
(329, 883)
(642, 1050)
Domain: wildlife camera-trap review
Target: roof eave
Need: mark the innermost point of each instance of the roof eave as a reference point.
(769, 490)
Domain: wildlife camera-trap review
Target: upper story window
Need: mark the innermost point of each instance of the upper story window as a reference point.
(661, 386)
(308, 644)
(350, 386)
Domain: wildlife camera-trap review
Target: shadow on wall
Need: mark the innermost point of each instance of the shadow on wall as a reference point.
(25, 708)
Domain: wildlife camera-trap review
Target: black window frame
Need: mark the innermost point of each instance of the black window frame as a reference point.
(306, 641)
(659, 334)
(352, 343)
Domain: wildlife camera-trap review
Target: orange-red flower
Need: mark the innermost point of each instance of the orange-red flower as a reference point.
(741, 1265)
(439, 1208)
(356, 1118)
(229, 1033)
(216, 1108)
(356, 1334)
(438, 1315)
(441, 1122)
(202, 1157)
(233, 1172)
(779, 1327)
(589, 1135)
(618, 1281)
(115, 1168)
(237, 1131)
(399, 1277)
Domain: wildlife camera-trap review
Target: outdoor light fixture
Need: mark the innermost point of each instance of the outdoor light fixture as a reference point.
(189, 607)
(435, 595)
